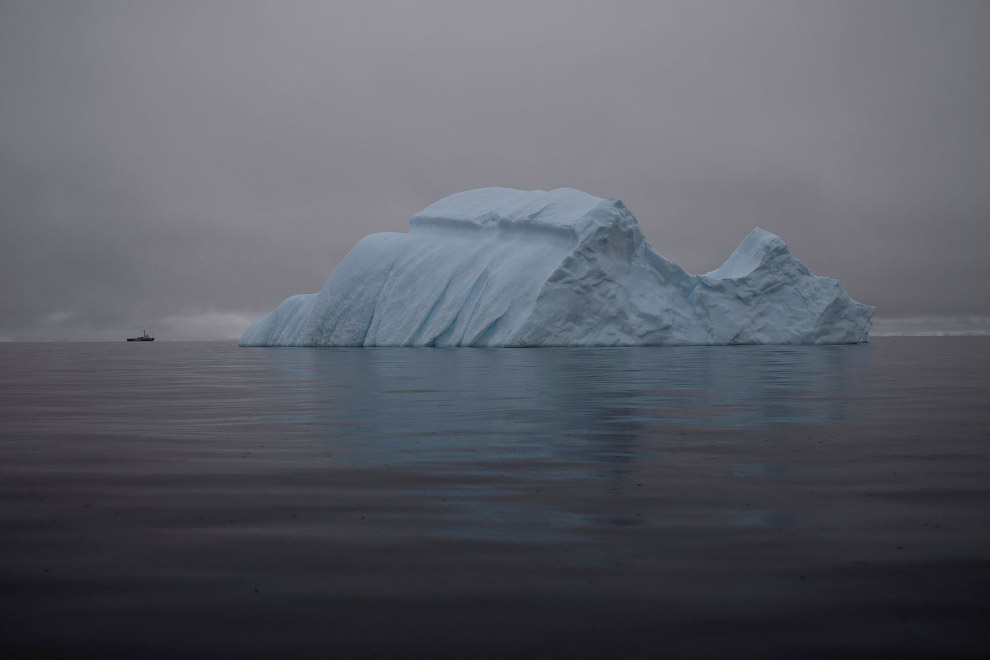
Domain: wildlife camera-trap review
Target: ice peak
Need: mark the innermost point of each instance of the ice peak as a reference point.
(758, 249)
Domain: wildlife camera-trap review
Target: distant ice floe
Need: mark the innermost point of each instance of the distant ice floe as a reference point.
(503, 267)
(932, 326)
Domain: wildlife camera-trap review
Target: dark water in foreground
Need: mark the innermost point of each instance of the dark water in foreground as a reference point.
(202, 500)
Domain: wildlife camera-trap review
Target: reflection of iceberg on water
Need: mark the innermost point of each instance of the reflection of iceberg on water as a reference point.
(503, 267)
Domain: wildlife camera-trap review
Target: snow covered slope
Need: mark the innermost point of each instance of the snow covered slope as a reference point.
(503, 267)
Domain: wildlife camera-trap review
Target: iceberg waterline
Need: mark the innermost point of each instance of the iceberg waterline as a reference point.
(504, 267)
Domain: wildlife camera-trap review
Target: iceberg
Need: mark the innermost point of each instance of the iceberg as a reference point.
(503, 267)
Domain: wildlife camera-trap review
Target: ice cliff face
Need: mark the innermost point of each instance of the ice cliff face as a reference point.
(503, 267)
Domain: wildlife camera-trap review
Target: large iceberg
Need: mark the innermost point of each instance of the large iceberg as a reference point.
(504, 267)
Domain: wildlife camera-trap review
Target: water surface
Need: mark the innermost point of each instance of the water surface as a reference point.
(204, 500)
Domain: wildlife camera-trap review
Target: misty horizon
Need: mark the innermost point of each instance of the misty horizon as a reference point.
(184, 167)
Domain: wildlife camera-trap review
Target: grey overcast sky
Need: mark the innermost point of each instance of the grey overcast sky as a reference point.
(185, 165)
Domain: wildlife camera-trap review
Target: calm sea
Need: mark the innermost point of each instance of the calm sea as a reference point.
(204, 500)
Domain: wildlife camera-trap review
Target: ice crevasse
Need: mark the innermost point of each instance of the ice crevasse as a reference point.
(504, 267)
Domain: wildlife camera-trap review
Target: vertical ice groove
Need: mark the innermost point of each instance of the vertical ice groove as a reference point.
(378, 298)
(481, 339)
(473, 299)
(422, 328)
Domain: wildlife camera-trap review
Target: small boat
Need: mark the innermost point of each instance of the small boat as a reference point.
(143, 337)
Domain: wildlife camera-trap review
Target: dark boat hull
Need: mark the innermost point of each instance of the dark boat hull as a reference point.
(140, 339)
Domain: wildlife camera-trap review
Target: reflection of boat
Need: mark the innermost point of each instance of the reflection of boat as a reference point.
(144, 337)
